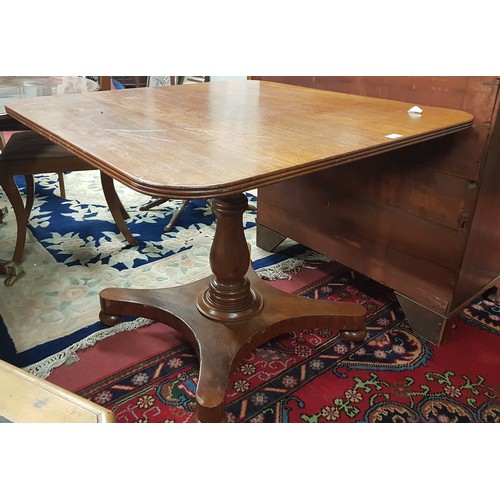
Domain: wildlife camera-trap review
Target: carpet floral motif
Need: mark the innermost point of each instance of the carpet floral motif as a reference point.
(483, 313)
(315, 376)
(444, 397)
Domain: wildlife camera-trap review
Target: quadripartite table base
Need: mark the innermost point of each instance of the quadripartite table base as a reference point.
(225, 316)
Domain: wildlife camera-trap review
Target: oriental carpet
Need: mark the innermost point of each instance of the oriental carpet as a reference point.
(314, 375)
(148, 373)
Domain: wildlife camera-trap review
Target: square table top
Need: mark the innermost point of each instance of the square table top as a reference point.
(219, 138)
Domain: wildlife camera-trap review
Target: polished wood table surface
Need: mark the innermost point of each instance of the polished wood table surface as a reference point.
(217, 140)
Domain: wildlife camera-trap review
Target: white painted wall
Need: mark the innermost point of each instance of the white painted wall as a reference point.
(219, 78)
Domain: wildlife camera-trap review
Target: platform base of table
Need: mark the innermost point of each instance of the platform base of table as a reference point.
(221, 345)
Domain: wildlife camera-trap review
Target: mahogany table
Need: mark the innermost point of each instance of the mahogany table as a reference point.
(217, 140)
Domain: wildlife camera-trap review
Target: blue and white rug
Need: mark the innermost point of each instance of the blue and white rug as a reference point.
(74, 250)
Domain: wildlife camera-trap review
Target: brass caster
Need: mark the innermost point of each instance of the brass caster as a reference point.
(14, 271)
(3, 213)
(10, 280)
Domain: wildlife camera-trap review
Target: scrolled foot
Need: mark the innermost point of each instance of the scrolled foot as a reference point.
(353, 335)
(109, 319)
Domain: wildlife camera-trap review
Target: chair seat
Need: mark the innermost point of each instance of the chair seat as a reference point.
(27, 154)
(32, 146)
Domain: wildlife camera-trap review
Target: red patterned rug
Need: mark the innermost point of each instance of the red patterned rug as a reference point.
(315, 376)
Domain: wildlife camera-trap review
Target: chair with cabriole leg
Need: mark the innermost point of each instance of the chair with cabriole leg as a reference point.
(28, 153)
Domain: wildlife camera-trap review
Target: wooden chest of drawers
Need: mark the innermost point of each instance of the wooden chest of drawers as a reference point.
(424, 220)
